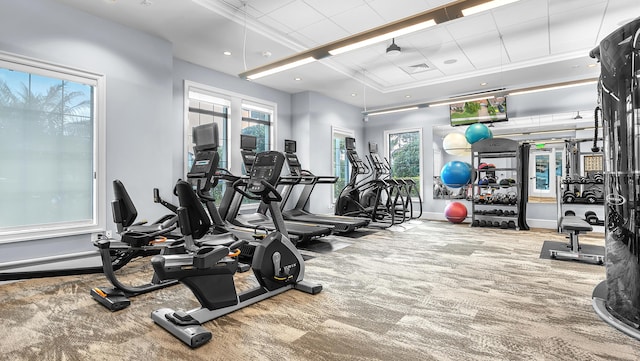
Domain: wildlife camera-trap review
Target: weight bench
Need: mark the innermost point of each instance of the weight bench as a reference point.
(574, 226)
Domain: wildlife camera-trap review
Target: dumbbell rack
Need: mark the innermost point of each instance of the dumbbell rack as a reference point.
(581, 190)
(488, 209)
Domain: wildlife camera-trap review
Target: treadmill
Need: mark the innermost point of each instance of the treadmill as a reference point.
(305, 231)
(341, 224)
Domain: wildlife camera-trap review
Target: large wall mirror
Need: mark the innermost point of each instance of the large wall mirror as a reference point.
(550, 158)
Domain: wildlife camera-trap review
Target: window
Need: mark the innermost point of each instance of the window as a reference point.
(235, 114)
(256, 121)
(51, 139)
(204, 108)
(404, 150)
(339, 161)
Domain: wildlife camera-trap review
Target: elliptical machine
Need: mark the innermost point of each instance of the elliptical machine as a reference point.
(364, 198)
(208, 271)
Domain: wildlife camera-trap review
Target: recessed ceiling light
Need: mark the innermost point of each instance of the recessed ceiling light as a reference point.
(592, 65)
(483, 83)
(353, 94)
(407, 96)
(297, 78)
(450, 61)
(227, 53)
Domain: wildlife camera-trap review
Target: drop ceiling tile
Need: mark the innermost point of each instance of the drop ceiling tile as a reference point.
(528, 40)
(358, 19)
(427, 75)
(272, 23)
(391, 75)
(518, 12)
(483, 50)
(425, 40)
(471, 26)
(570, 6)
(619, 13)
(576, 30)
(393, 10)
(265, 7)
(296, 15)
(330, 8)
(324, 31)
(449, 58)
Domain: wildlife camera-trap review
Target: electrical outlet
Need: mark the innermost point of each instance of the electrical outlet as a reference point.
(108, 233)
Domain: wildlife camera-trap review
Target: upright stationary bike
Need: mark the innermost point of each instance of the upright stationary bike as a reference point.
(208, 271)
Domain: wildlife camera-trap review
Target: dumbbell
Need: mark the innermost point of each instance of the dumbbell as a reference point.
(591, 217)
(598, 178)
(568, 197)
(496, 224)
(512, 224)
(475, 223)
(483, 223)
(504, 225)
(570, 213)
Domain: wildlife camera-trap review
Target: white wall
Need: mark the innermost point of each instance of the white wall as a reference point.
(313, 117)
(140, 130)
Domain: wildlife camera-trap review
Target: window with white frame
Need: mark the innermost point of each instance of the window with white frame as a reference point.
(404, 152)
(339, 162)
(235, 114)
(51, 150)
(204, 108)
(256, 121)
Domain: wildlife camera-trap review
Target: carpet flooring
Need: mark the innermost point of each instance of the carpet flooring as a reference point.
(425, 290)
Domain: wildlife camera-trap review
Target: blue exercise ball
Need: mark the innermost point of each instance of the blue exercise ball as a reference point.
(476, 132)
(455, 174)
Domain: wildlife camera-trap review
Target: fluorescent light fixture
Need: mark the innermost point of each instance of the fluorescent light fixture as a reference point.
(460, 101)
(554, 87)
(283, 67)
(383, 37)
(397, 110)
(410, 24)
(486, 6)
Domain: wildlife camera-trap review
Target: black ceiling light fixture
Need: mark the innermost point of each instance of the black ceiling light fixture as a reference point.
(578, 117)
(393, 49)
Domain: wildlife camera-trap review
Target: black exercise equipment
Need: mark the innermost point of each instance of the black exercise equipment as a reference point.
(304, 231)
(574, 226)
(143, 240)
(299, 176)
(208, 271)
(366, 197)
(619, 102)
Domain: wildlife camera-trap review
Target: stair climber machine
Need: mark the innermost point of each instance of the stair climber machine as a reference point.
(617, 299)
(364, 198)
(208, 270)
(145, 240)
(308, 181)
(304, 231)
(407, 187)
(397, 200)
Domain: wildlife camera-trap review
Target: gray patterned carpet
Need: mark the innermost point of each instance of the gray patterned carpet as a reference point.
(423, 291)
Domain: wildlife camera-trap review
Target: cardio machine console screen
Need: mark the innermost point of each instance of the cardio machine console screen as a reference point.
(267, 166)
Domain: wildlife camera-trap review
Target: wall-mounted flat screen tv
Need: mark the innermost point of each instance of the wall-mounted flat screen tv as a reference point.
(491, 110)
